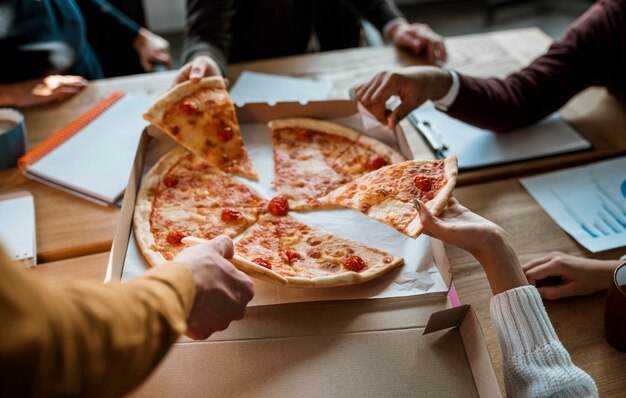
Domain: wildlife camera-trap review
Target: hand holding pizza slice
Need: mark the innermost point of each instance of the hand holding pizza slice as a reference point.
(201, 117)
(386, 194)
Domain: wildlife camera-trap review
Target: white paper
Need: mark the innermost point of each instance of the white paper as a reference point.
(419, 275)
(260, 87)
(97, 160)
(17, 228)
(588, 202)
(477, 147)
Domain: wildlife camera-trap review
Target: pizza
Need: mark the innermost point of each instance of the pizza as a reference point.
(313, 157)
(387, 193)
(286, 251)
(183, 195)
(201, 117)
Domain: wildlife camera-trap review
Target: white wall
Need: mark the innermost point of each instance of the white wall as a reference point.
(165, 16)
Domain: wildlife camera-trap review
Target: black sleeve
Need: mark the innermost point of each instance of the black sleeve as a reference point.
(112, 17)
(378, 12)
(208, 30)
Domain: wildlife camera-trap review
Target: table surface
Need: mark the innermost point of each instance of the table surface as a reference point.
(74, 236)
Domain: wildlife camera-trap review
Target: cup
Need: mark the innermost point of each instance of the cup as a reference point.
(615, 310)
(12, 137)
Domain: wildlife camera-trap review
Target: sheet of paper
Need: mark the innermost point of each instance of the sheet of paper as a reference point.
(98, 159)
(588, 202)
(261, 87)
(476, 147)
(419, 275)
(17, 229)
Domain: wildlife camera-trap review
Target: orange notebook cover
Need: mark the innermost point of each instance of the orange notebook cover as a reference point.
(92, 156)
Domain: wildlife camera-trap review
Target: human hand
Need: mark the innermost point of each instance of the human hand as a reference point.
(35, 92)
(199, 67)
(486, 241)
(222, 291)
(419, 38)
(414, 86)
(152, 49)
(575, 276)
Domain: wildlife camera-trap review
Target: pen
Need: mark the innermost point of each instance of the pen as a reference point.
(431, 137)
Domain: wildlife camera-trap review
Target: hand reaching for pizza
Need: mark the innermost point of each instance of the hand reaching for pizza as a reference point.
(569, 275)
(199, 67)
(485, 240)
(414, 86)
(419, 38)
(222, 291)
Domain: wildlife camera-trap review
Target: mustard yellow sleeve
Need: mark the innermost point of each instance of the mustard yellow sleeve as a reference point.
(87, 339)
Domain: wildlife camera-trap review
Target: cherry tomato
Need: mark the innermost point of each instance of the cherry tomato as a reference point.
(225, 134)
(230, 215)
(354, 263)
(175, 237)
(262, 262)
(376, 163)
(422, 183)
(189, 107)
(278, 206)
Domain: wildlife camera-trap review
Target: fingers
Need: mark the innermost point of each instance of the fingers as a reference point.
(432, 225)
(541, 260)
(411, 40)
(198, 69)
(223, 245)
(183, 74)
(558, 291)
(543, 271)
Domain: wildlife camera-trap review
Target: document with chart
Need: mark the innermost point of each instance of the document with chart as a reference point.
(588, 202)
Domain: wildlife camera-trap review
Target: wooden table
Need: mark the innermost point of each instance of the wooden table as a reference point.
(74, 235)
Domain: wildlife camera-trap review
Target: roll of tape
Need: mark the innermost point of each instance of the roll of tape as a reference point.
(12, 137)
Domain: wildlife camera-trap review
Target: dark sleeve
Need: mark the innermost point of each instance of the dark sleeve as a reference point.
(378, 12)
(208, 30)
(112, 17)
(581, 58)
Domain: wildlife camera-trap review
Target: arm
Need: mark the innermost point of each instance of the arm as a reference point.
(389, 20)
(535, 363)
(583, 57)
(150, 47)
(103, 340)
(41, 91)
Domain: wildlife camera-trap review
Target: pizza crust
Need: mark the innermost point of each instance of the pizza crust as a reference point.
(176, 94)
(439, 202)
(315, 125)
(143, 206)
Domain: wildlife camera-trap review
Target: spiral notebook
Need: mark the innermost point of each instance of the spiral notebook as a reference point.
(92, 156)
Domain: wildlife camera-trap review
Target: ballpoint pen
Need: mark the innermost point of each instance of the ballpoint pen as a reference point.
(432, 138)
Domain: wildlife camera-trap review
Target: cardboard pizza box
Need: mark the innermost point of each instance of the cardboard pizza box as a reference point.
(415, 345)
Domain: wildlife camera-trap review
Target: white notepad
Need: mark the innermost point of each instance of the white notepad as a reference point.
(93, 156)
(17, 229)
(476, 147)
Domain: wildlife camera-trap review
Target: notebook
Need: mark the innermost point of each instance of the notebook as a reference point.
(92, 156)
(477, 147)
(17, 229)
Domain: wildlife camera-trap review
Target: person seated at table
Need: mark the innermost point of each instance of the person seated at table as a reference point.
(535, 363)
(592, 52)
(575, 276)
(87, 339)
(219, 31)
(47, 37)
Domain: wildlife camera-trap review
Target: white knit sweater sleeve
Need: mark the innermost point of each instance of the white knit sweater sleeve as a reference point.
(535, 363)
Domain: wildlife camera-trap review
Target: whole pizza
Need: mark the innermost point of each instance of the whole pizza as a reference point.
(189, 197)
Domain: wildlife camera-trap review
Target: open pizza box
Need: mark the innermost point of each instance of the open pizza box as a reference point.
(397, 335)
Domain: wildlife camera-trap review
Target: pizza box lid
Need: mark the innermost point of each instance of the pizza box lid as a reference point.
(416, 345)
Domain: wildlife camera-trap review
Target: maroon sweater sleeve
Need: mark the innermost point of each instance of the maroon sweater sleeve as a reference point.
(592, 52)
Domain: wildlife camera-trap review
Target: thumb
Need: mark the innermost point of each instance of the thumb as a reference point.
(400, 113)
(223, 245)
(432, 225)
(198, 69)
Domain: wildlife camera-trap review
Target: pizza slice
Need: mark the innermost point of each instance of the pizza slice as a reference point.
(304, 256)
(387, 193)
(201, 117)
(182, 195)
(313, 157)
